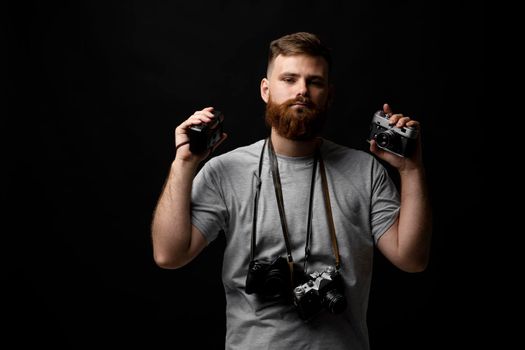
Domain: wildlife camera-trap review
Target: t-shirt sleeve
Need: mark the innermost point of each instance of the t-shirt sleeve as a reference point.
(208, 209)
(385, 201)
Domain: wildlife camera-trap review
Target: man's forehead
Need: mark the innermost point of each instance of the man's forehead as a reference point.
(300, 64)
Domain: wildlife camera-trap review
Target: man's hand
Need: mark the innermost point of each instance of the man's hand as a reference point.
(400, 163)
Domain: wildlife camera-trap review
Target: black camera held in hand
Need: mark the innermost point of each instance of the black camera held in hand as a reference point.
(322, 290)
(205, 136)
(400, 141)
(268, 278)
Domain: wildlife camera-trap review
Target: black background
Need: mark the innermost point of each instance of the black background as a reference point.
(95, 90)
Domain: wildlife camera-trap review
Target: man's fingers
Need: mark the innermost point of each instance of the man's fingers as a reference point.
(402, 121)
(393, 119)
(413, 124)
(203, 116)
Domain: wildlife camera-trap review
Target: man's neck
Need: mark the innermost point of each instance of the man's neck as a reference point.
(292, 148)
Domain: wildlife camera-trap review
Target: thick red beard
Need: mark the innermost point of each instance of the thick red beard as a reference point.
(297, 123)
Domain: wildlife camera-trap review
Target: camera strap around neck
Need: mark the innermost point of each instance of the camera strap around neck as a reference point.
(280, 203)
(329, 216)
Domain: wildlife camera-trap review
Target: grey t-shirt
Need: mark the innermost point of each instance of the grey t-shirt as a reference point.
(365, 203)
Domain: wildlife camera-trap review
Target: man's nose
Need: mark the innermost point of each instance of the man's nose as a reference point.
(302, 87)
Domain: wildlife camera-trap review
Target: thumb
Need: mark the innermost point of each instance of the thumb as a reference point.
(386, 108)
(373, 146)
(374, 149)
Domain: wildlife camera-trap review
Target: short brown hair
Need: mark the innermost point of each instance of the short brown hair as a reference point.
(301, 43)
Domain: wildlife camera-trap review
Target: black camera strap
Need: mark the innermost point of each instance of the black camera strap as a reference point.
(256, 202)
(279, 196)
(280, 204)
(310, 206)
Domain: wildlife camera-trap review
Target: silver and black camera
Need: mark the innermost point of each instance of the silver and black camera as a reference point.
(323, 290)
(400, 141)
(269, 278)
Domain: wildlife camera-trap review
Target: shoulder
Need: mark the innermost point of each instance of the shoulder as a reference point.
(237, 160)
(354, 166)
(336, 153)
(351, 162)
(240, 155)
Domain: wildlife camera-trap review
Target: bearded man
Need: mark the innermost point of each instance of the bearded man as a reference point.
(300, 214)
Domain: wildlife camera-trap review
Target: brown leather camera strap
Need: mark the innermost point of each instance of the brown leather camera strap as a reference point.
(329, 215)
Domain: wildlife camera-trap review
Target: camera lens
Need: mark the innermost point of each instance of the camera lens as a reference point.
(334, 301)
(385, 138)
(274, 283)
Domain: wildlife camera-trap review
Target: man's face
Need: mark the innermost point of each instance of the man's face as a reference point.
(297, 93)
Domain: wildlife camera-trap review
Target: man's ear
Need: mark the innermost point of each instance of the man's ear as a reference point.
(265, 90)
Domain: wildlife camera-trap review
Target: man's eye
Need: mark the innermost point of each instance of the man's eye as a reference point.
(288, 80)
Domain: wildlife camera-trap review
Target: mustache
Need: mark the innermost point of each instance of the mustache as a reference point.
(299, 100)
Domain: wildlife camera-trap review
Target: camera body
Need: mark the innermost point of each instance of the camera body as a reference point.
(322, 290)
(400, 141)
(205, 136)
(269, 278)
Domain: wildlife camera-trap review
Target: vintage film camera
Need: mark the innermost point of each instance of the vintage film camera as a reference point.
(400, 141)
(323, 290)
(205, 136)
(269, 278)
